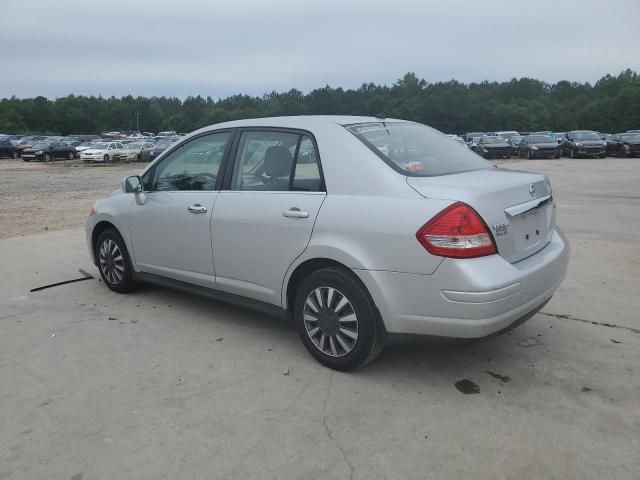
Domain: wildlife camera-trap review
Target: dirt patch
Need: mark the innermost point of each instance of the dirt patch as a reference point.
(52, 196)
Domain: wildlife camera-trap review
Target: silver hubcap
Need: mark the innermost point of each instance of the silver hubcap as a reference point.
(111, 261)
(330, 321)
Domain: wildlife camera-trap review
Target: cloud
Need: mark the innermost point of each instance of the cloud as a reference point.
(223, 47)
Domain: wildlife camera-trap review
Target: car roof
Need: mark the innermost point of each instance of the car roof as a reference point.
(305, 122)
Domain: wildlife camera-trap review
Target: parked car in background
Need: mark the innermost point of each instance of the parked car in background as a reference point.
(168, 133)
(624, 145)
(450, 246)
(161, 145)
(493, 147)
(583, 143)
(84, 146)
(559, 137)
(633, 131)
(507, 134)
(48, 151)
(136, 152)
(538, 146)
(458, 139)
(8, 149)
(469, 136)
(102, 152)
(514, 141)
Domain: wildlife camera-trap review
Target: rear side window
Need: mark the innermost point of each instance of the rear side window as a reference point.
(276, 161)
(417, 150)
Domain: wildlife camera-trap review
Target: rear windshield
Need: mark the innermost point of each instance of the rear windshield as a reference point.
(417, 150)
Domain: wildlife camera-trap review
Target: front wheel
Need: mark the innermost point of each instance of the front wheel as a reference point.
(602, 155)
(113, 261)
(529, 155)
(572, 153)
(337, 320)
(106, 158)
(70, 156)
(14, 155)
(47, 157)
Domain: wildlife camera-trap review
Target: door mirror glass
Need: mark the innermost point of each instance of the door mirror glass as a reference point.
(132, 184)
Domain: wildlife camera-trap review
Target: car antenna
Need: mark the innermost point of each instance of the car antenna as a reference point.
(383, 114)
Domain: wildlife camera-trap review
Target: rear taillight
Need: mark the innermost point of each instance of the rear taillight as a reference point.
(458, 232)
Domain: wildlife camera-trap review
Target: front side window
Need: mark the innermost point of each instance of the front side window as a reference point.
(192, 166)
(416, 150)
(276, 161)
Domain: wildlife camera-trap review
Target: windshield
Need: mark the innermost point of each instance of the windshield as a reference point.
(133, 146)
(40, 145)
(494, 140)
(586, 136)
(516, 138)
(540, 139)
(415, 149)
(100, 146)
(630, 136)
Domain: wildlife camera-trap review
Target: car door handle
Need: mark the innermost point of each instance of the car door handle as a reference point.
(197, 208)
(294, 212)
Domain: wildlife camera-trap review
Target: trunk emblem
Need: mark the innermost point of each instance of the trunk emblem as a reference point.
(532, 190)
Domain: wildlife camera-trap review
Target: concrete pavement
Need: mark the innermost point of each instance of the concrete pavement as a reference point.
(159, 384)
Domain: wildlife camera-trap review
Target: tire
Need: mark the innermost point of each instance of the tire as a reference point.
(557, 155)
(331, 323)
(106, 158)
(70, 155)
(529, 155)
(603, 155)
(15, 155)
(572, 153)
(47, 157)
(139, 158)
(114, 262)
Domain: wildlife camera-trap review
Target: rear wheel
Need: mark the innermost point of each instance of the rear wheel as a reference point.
(337, 320)
(14, 155)
(113, 261)
(529, 155)
(70, 155)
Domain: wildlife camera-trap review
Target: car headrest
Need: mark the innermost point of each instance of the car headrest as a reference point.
(277, 161)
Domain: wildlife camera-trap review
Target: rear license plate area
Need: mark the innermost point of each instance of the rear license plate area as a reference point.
(528, 229)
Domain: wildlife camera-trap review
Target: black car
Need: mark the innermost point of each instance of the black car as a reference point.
(8, 149)
(47, 151)
(624, 145)
(584, 143)
(538, 146)
(160, 147)
(493, 147)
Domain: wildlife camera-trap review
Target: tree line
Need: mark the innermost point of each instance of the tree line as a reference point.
(612, 104)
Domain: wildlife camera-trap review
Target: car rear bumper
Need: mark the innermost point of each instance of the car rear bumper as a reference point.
(470, 298)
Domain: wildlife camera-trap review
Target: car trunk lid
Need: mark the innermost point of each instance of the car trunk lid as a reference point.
(517, 206)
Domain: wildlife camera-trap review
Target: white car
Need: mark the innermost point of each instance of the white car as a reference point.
(102, 152)
(136, 152)
(169, 133)
(357, 228)
(84, 146)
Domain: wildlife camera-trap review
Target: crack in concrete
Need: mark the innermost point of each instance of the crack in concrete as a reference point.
(13, 315)
(592, 322)
(330, 433)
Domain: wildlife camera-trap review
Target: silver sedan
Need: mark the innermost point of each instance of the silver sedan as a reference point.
(358, 228)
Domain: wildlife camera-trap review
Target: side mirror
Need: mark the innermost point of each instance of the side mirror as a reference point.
(132, 184)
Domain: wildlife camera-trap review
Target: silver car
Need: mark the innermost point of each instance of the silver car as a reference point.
(358, 228)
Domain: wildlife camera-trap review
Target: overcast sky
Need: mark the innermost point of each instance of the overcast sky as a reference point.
(221, 47)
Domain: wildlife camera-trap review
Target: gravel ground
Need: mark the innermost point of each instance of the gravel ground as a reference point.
(52, 196)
